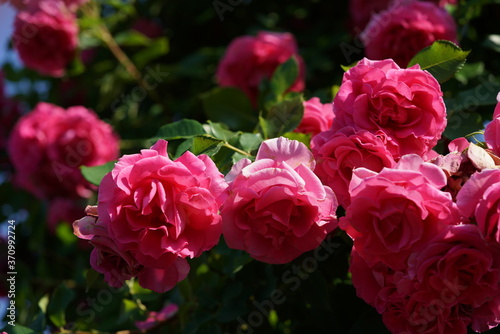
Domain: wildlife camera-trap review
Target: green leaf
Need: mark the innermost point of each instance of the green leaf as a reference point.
(18, 329)
(250, 141)
(186, 128)
(492, 42)
(95, 174)
(304, 138)
(156, 48)
(132, 38)
(230, 105)
(283, 117)
(284, 76)
(348, 67)
(206, 145)
(442, 59)
(219, 130)
(59, 301)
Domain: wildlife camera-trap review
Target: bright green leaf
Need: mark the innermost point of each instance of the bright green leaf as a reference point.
(132, 38)
(442, 59)
(230, 106)
(218, 130)
(250, 141)
(205, 145)
(95, 174)
(302, 137)
(183, 129)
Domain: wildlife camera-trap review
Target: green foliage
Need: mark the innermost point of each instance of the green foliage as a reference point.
(442, 59)
(95, 174)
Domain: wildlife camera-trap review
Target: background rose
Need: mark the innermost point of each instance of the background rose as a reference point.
(23, 4)
(479, 201)
(249, 59)
(337, 153)
(277, 208)
(48, 145)
(404, 104)
(406, 28)
(161, 209)
(394, 212)
(46, 37)
(317, 117)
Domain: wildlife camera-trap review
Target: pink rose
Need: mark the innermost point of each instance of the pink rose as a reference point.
(395, 212)
(492, 130)
(317, 117)
(457, 267)
(404, 29)
(156, 318)
(46, 37)
(277, 208)
(337, 153)
(249, 59)
(48, 145)
(405, 104)
(487, 316)
(148, 27)
(161, 209)
(24, 4)
(118, 265)
(479, 201)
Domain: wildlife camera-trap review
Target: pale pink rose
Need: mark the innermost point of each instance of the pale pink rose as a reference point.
(249, 59)
(337, 153)
(405, 104)
(161, 209)
(479, 201)
(457, 266)
(277, 208)
(404, 29)
(46, 36)
(118, 265)
(317, 117)
(48, 145)
(395, 212)
(156, 318)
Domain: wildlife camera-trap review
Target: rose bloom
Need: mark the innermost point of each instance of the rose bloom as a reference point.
(277, 208)
(249, 59)
(479, 200)
(161, 209)
(46, 37)
(404, 29)
(24, 4)
(317, 117)
(337, 153)
(362, 10)
(458, 267)
(491, 131)
(395, 212)
(404, 104)
(116, 265)
(48, 145)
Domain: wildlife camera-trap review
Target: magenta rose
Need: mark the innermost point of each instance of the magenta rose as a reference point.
(48, 145)
(404, 104)
(396, 211)
(404, 29)
(362, 10)
(161, 209)
(479, 201)
(24, 4)
(337, 153)
(117, 265)
(277, 208)
(156, 318)
(317, 117)
(492, 131)
(249, 59)
(458, 267)
(46, 37)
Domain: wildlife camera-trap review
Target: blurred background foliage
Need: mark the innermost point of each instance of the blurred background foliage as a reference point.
(179, 49)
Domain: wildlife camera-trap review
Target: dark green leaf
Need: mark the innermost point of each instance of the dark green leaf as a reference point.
(95, 174)
(59, 301)
(230, 106)
(156, 48)
(18, 329)
(284, 76)
(442, 59)
(132, 38)
(283, 117)
(186, 128)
